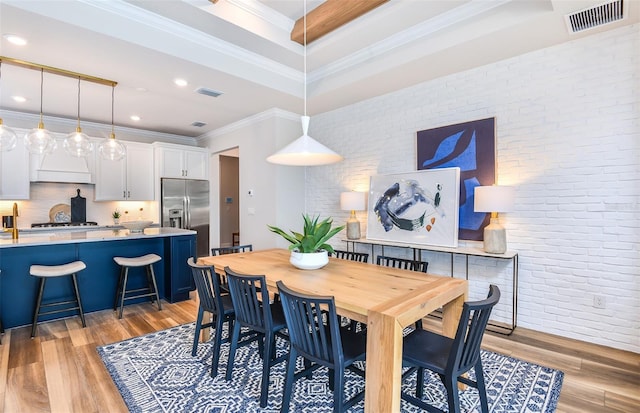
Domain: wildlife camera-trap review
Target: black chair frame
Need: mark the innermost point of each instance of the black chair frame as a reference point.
(351, 255)
(231, 250)
(402, 263)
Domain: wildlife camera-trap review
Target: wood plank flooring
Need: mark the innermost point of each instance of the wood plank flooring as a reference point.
(60, 370)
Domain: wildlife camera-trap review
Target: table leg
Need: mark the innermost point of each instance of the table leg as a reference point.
(384, 364)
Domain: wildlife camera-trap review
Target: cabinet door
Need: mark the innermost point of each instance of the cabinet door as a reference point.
(14, 173)
(196, 164)
(111, 179)
(180, 280)
(172, 163)
(140, 179)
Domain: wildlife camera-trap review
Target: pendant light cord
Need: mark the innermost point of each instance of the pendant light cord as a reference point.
(305, 57)
(41, 91)
(113, 91)
(78, 101)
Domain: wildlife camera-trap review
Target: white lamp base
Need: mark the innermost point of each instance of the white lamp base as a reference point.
(495, 238)
(353, 227)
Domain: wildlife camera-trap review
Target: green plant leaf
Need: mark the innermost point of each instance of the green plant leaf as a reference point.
(315, 234)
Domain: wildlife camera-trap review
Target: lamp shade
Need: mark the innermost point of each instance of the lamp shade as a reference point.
(353, 201)
(304, 151)
(494, 198)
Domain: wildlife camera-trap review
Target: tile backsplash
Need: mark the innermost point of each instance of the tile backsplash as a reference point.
(44, 195)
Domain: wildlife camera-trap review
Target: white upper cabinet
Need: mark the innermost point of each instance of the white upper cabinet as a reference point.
(14, 172)
(179, 161)
(129, 179)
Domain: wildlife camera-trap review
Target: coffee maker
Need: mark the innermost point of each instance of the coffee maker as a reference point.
(7, 221)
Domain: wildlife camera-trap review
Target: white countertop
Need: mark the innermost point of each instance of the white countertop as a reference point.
(65, 236)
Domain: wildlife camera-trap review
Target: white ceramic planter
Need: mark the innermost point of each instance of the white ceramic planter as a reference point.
(310, 260)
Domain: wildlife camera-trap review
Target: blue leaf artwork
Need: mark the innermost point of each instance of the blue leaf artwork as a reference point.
(471, 147)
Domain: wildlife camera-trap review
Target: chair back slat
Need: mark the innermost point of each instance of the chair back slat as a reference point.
(402, 263)
(231, 250)
(465, 352)
(250, 300)
(351, 255)
(208, 287)
(313, 325)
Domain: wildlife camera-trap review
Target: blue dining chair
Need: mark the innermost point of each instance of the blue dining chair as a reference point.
(250, 298)
(315, 334)
(451, 358)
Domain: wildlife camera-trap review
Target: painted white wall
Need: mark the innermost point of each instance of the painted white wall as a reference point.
(278, 191)
(568, 137)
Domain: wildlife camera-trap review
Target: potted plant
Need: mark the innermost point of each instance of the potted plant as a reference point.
(309, 250)
(116, 217)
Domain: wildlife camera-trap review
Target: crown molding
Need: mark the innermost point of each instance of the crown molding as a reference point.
(251, 120)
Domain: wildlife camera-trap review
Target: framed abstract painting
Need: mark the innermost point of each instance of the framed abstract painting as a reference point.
(471, 147)
(415, 207)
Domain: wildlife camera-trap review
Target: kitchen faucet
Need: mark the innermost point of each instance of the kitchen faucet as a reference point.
(14, 230)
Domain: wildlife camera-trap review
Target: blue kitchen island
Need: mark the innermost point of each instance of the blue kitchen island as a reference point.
(97, 283)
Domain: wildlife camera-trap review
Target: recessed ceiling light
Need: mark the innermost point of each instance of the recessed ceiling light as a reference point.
(135, 118)
(14, 39)
(19, 99)
(180, 82)
(141, 89)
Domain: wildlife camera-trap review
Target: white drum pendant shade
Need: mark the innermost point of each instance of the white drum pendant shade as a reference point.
(304, 151)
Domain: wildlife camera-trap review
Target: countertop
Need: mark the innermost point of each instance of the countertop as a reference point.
(50, 236)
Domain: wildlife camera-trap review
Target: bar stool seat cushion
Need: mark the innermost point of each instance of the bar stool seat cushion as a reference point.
(137, 261)
(56, 270)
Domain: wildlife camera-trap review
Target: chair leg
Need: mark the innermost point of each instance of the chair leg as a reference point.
(269, 341)
(119, 289)
(482, 390)
(34, 326)
(77, 293)
(124, 288)
(155, 286)
(338, 390)
(420, 382)
(232, 350)
(196, 337)
(453, 400)
(289, 380)
(215, 358)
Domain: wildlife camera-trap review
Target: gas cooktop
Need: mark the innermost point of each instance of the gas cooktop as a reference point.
(64, 224)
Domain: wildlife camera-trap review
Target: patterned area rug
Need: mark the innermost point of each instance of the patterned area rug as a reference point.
(156, 373)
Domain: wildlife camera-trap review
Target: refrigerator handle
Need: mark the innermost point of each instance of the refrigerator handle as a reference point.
(187, 212)
(185, 221)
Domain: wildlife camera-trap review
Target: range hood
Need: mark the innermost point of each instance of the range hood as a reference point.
(59, 166)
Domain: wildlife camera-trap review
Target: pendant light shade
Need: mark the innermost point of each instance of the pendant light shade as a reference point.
(8, 137)
(39, 140)
(77, 143)
(111, 148)
(304, 151)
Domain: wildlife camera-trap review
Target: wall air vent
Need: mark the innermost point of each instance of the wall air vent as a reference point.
(596, 16)
(198, 124)
(208, 92)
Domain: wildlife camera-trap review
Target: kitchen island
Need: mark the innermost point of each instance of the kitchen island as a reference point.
(97, 283)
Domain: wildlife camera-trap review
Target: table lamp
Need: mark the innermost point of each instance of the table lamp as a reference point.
(353, 201)
(494, 199)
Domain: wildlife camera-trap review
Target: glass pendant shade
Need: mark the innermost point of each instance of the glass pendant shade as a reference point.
(8, 138)
(304, 151)
(39, 140)
(112, 149)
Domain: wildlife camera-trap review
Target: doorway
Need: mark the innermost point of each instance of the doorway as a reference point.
(229, 198)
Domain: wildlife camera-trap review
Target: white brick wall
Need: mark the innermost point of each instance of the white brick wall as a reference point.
(568, 137)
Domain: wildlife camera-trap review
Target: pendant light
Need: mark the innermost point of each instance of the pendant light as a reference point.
(304, 151)
(39, 140)
(8, 137)
(110, 148)
(77, 143)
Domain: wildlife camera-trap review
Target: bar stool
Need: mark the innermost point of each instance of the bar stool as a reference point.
(49, 271)
(151, 290)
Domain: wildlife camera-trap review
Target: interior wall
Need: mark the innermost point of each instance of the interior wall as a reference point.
(229, 198)
(568, 138)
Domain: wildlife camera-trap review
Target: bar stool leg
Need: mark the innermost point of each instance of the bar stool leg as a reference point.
(124, 288)
(34, 325)
(155, 286)
(119, 289)
(77, 292)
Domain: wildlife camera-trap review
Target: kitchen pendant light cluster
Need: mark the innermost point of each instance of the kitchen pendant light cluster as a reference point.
(40, 141)
(305, 151)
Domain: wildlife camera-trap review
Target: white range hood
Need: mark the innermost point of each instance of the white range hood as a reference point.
(59, 166)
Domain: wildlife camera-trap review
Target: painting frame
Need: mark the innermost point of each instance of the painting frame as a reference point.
(471, 146)
(417, 208)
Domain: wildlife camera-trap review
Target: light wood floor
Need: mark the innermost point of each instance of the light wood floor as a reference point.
(60, 370)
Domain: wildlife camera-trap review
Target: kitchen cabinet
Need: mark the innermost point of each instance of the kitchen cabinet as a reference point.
(14, 173)
(129, 179)
(179, 279)
(179, 161)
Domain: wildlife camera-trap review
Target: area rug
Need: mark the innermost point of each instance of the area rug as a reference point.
(156, 373)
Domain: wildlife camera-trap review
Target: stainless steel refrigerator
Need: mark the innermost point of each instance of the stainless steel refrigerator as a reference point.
(185, 204)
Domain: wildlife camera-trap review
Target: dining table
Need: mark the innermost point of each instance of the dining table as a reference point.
(386, 299)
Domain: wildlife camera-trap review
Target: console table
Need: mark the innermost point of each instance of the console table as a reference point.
(467, 252)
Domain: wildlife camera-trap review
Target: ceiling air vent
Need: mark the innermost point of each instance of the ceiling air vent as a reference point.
(208, 92)
(198, 124)
(596, 16)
